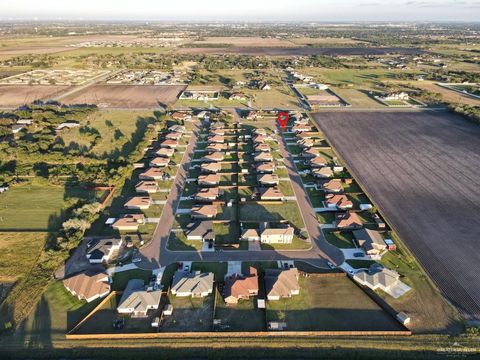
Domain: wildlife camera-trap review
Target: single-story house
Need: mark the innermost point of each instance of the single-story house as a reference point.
(382, 278)
(159, 162)
(103, 250)
(200, 230)
(277, 235)
(337, 201)
(180, 115)
(194, 284)
(370, 241)
(211, 168)
(207, 194)
(177, 128)
(129, 222)
(169, 144)
(250, 235)
(148, 187)
(322, 173)
(270, 193)
(305, 143)
(268, 179)
(136, 301)
(88, 286)
(216, 147)
(241, 287)
(333, 186)
(262, 147)
(17, 128)
(260, 131)
(210, 179)
(237, 96)
(281, 283)
(298, 128)
(152, 174)
(173, 135)
(311, 153)
(216, 139)
(219, 132)
(204, 211)
(214, 157)
(260, 139)
(318, 161)
(164, 152)
(348, 220)
(265, 167)
(139, 203)
(263, 157)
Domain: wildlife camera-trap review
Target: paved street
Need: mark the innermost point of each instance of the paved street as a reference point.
(156, 254)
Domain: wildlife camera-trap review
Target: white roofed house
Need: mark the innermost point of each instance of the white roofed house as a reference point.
(136, 301)
(277, 235)
(194, 284)
(159, 162)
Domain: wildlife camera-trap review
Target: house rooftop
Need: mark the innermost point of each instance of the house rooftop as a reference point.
(201, 228)
(270, 192)
(210, 178)
(333, 185)
(88, 285)
(348, 219)
(146, 186)
(205, 210)
(139, 201)
(137, 298)
(281, 282)
(196, 282)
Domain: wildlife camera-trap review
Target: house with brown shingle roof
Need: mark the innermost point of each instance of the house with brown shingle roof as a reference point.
(318, 161)
(151, 174)
(265, 167)
(88, 286)
(347, 221)
(263, 157)
(180, 115)
(210, 168)
(298, 128)
(260, 131)
(164, 152)
(250, 235)
(305, 143)
(207, 194)
(262, 147)
(322, 173)
(311, 153)
(200, 231)
(214, 157)
(240, 287)
(259, 139)
(159, 162)
(170, 144)
(270, 193)
(148, 187)
(210, 179)
(216, 139)
(173, 135)
(204, 211)
(338, 202)
(139, 203)
(137, 301)
(177, 128)
(220, 132)
(268, 179)
(129, 222)
(371, 241)
(215, 147)
(280, 284)
(333, 186)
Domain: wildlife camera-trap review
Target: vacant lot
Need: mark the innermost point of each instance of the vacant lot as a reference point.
(330, 303)
(16, 95)
(126, 96)
(38, 206)
(189, 314)
(423, 172)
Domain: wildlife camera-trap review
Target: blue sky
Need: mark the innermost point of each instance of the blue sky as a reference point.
(274, 10)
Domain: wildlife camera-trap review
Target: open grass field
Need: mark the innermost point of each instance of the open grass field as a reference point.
(37, 206)
(422, 170)
(126, 96)
(189, 314)
(244, 41)
(330, 303)
(357, 98)
(264, 212)
(16, 95)
(19, 252)
(447, 94)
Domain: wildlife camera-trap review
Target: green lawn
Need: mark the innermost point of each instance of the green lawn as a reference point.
(342, 240)
(120, 279)
(178, 242)
(218, 268)
(295, 245)
(360, 264)
(38, 205)
(330, 303)
(286, 211)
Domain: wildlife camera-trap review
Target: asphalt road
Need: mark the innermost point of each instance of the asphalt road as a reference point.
(422, 170)
(156, 254)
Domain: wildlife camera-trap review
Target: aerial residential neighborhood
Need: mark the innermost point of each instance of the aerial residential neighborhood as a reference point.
(198, 183)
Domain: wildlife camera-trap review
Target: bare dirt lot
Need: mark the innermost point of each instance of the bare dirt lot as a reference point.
(15, 95)
(295, 51)
(422, 169)
(126, 96)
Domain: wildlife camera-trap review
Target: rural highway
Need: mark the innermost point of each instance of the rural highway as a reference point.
(156, 254)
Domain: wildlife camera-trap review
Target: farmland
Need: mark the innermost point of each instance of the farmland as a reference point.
(15, 95)
(126, 96)
(426, 182)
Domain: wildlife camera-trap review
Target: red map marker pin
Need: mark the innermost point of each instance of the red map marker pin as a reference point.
(282, 118)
